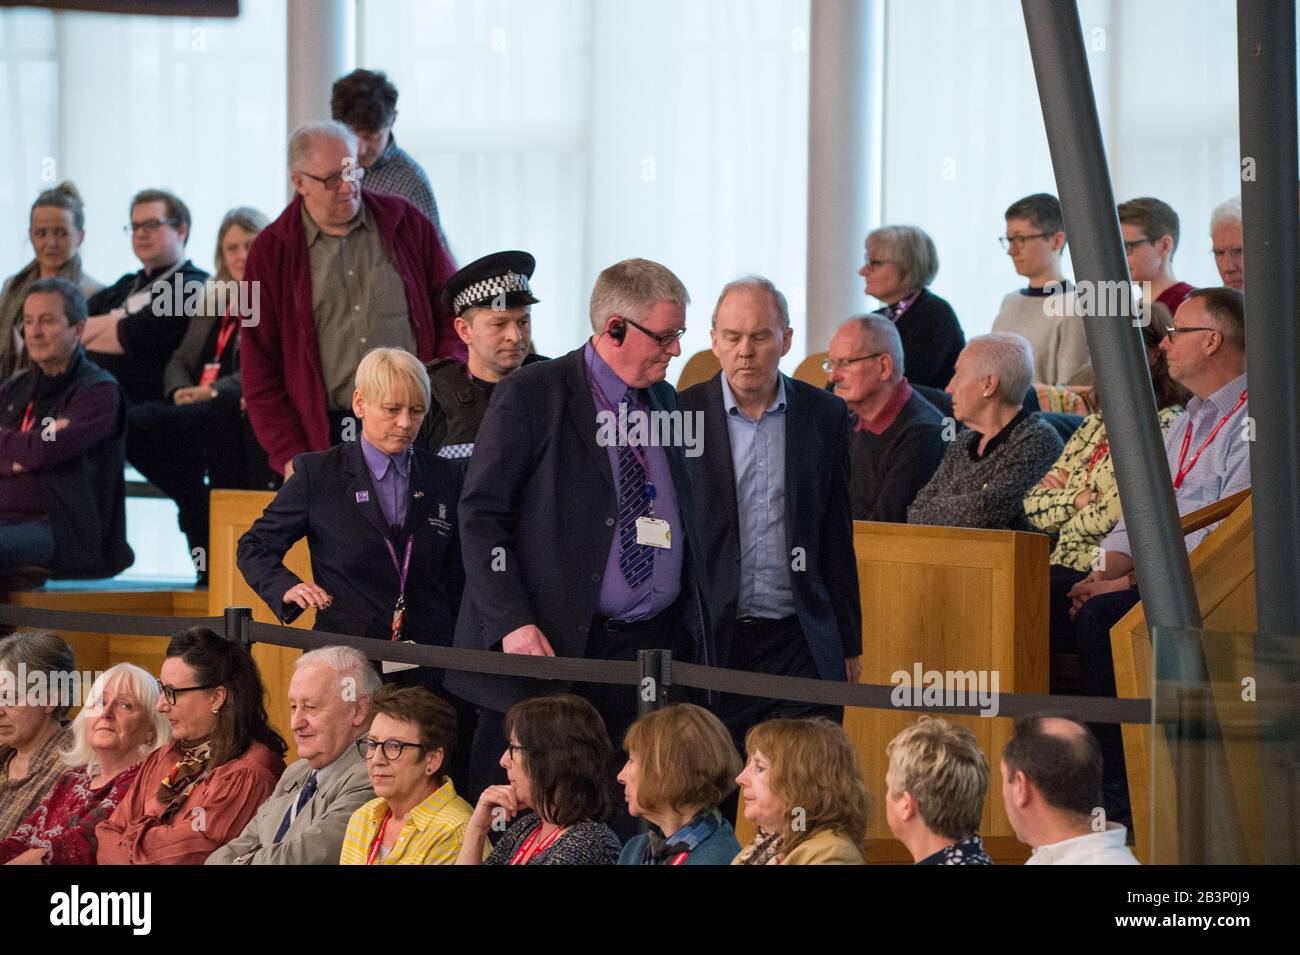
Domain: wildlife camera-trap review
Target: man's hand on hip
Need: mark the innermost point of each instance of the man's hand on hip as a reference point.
(528, 640)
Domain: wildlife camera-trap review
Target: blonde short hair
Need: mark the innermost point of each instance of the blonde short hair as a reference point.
(141, 686)
(686, 757)
(814, 768)
(631, 288)
(391, 372)
(947, 774)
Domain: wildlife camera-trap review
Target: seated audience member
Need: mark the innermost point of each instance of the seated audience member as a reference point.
(986, 471)
(1077, 501)
(32, 730)
(1208, 451)
(1150, 230)
(1226, 243)
(196, 794)
(492, 301)
(365, 101)
(1051, 789)
(62, 494)
(897, 439)
(56, 230)
(802, 788)
(198, 428)
(417, 818)
(116, 728)
(901, 263)
(304, 820)
(1043, 312)
(558, 794)
(134, 324)
(340, 272)
(681, 764)
(934, 793)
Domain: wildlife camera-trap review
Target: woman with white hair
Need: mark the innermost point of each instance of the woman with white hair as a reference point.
(379, 516)
(987, 469)
(901, 263)
(112, 734)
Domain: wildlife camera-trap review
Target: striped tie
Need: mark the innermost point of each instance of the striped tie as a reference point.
(636, 561)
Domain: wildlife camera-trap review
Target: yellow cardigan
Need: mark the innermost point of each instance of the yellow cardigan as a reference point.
(1080, 531)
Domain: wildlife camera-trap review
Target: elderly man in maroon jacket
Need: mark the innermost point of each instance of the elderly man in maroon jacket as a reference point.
(338, 273)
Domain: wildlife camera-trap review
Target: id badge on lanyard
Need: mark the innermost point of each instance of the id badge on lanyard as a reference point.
(399, 609)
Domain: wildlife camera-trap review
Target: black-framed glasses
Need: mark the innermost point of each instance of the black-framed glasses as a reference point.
(393, 748)
(353, 174)
(148, 226)
(170, 691)
(1007, 241)
(1130, 247)
(1173, 330)
(664, 340)
(513, 748)
(829, 365)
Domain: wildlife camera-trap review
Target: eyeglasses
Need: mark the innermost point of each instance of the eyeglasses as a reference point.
(511, 748)
(1007, 241)
(877, 263)
(838, 363)
(663, 341)
(353, 174)
(1129, 247)
(1221, 254)
(1173, 330)
(148, 226)
(392, 748)
(170, 691)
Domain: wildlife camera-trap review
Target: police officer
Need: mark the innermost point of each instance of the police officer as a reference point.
(491, 302)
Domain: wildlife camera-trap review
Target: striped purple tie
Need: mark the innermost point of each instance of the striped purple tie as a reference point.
(636, 561)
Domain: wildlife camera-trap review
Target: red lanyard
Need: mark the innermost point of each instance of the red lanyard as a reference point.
(679, 858)
(223, 336)
(28, 417)
(525, 852)
(379, 839)
(1098, 453)
(1187, 443)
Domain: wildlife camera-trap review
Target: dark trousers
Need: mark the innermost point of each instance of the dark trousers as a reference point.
(779, 648)
(616, 703)
(175, 446)
(1061, 626)
(1092, 628)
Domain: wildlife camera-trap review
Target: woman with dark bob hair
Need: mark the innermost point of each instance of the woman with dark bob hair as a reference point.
(558, 795)
(680, 764)
(196, 794)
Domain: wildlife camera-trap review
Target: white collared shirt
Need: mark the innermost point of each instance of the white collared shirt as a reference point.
(1095, 848)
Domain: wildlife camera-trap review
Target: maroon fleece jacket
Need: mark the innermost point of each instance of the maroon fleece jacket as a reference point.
(283, 387)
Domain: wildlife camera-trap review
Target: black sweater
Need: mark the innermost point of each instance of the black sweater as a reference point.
(932, 340)
(887, 470)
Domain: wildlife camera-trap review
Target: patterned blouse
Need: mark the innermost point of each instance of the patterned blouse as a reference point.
(585, 843)
(20, 797)
(64, 824)
(1087, 461)
(967, 852)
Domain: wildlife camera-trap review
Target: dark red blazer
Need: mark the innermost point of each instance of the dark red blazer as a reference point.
(280, 363)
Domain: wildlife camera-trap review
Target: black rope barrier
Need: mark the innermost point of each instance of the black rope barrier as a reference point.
(236, 625)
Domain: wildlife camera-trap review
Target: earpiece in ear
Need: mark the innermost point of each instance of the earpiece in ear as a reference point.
(618, 331)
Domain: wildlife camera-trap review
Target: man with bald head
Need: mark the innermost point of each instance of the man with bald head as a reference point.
(777, 534)
(340, 272)
(1051, 789)
(896, 442)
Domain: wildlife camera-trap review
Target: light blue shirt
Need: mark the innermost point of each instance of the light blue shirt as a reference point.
(1223, 468)
(758, 463)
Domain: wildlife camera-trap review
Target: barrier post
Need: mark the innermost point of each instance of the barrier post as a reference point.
(237, 627)
(656, 678)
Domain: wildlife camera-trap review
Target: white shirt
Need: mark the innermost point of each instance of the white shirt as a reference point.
(1095, 848)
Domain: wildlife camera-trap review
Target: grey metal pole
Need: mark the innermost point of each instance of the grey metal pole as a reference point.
(1118, 358)
(236, 624)
(1266, 77)
(1266, 85)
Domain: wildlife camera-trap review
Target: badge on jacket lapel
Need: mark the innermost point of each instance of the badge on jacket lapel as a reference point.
(440, 522)
(363, 496)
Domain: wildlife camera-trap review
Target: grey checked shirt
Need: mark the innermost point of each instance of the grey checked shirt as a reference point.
(395, 173)
(1223, 468)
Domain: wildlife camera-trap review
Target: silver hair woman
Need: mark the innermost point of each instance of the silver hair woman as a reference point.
(112, 734)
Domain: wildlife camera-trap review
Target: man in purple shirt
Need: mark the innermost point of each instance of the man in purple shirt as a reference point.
(62, 497)
(576, 518)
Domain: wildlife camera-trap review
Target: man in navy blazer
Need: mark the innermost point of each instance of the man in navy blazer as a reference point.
(777, 533)
(578, 535)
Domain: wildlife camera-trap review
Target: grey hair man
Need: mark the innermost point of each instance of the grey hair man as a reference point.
(1226, 243)
(304, 820)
